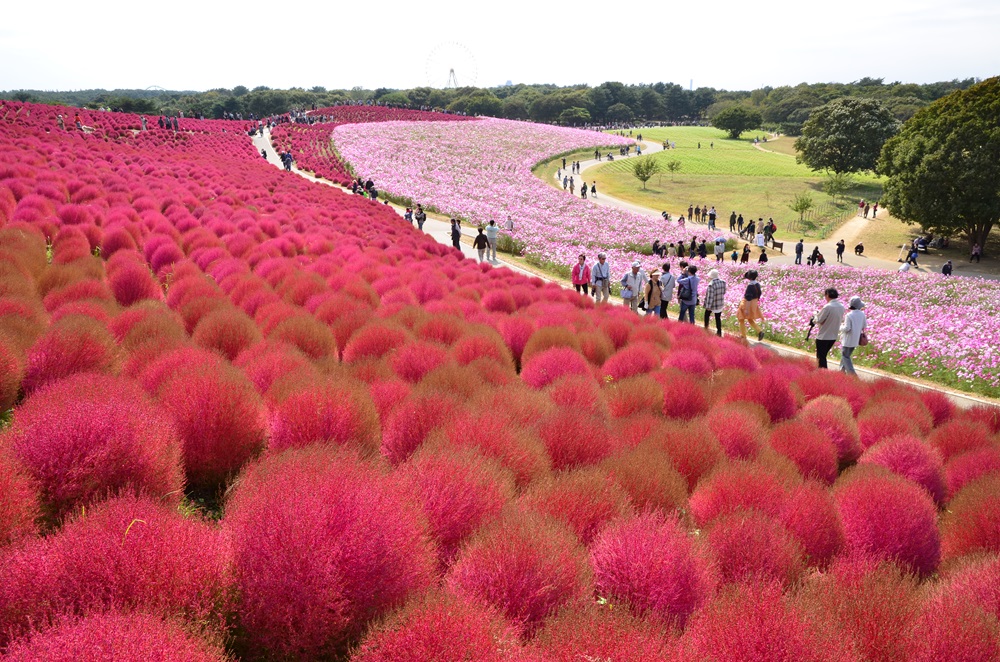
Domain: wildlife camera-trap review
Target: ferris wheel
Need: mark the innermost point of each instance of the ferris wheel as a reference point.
(451, 64)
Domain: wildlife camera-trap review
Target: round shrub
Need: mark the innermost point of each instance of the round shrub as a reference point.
(809, 447)
(649, 478)
(414, 360)
(833, 415)
(220, 418)
(585, 500)
(878, 423)
(496, 436)
(459, 490)
(740, 486)
(633, 359)
(11, 373)
(602, 632)
(227, 330)
(549, 365)
(127, 553)
(871, 605)
(889, 518)
(960, 436)
(526, 566)
(949, 628)
(910, 458)
(132, 282)
(19, 506)
(750, 546)
(811, 515)
(739, 429)
(439, 626)
(323, 544)
(86, 436)
(113, 637)
(692, 448)
(650, 563)
(73, 345)
(967, 467)
(326, 412)
(767, 389)
(756, 623)
(972, 521)
(575, 438)
(413, 420)
(683, 396)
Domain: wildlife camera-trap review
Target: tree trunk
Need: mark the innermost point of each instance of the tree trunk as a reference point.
(978, 233)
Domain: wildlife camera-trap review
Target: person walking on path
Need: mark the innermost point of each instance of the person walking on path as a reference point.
(749, 311)
(690, 211)
(687, 294)
(667, 282)
(732, 221)
(654, 293)
(763, 257)
(420, 217)
(851, 332)
(977, 253)
(456, 233)
(481, 243)
(593, 190)
(759, 239)
(715, 295)
(947, 268)
(492, 230)
(720, 250)
(632, 285)
(799, 248)
(581, 275)
(600, 278)
(830, 317)
(739, 224)
(840, 250)
(746, 254)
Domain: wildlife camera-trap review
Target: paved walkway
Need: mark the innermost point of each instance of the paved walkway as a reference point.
(441, 232)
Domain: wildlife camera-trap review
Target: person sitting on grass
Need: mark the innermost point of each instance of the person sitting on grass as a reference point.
(859, 249)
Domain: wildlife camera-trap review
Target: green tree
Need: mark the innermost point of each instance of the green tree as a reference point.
(837, 184)
(673, 167)
(846, 135)
(943, 168)
(737, 119)
(801, 204)
(574, 116)
(643, 168)
(396, 97)
(620, 113)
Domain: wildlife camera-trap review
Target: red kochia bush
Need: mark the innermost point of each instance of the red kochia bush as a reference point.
(131, 282)
(585, 500)
(227, 330)
(692, 448)
(114, 637)
(602, 632)
(809, 447)
(683, 396)
(72, 345)
(413, 419)
(740, 430)
(18, 500)
(767, 389)
(972, 521)
(219, 416)
(967, 467)
(960, 436)
(575, 438)
(440, 626)
(649, 478)
(459, 490)
(634, 359)
(547, 366)
(650, 564)
(130, 553)
(87, 435)
(949, 628)
(750, 546)
(811, 515)
(527, 566)
(871, 605)
(757, 623)
(337, 413)
(11, 373)
(833, 415)
(323, 544)
(910, 458)
(740, 485)
(889, 518)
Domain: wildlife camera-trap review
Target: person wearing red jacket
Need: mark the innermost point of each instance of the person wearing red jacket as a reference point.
(581, 275)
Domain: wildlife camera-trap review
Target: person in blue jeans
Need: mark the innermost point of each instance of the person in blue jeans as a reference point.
(687, 294)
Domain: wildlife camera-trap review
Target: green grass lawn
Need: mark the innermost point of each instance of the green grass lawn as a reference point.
(732, 175)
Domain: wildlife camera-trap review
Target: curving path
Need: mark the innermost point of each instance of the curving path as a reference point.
(440, 230)
(849, 231)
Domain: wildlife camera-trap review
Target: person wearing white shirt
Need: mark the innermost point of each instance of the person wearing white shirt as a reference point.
(600, 278)
(633, 283)
(854, 326)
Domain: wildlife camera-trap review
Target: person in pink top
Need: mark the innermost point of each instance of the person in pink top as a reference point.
(581, 275)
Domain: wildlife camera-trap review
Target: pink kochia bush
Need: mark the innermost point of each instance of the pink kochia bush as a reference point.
(440, 626)
(910, 458)
(86, 436)
(972, 521)
(889, 518)
(650, 564)
(526, 566)
(323, 543)
(341, 414)
(129, 553)
(114, 637)
(18, 500)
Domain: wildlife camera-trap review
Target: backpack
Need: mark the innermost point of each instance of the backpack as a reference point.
(684, 291)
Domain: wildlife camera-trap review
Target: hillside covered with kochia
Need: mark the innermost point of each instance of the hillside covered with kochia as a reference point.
(410, 456)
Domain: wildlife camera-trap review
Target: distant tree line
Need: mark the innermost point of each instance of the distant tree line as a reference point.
(783, 109)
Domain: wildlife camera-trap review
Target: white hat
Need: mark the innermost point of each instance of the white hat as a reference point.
(713, 274)
(636, 264)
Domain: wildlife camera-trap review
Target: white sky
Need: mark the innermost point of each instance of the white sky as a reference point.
(203, 44)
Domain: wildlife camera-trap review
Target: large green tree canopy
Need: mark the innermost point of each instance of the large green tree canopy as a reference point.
(846, 135)
(737, 119)
(944, 166)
